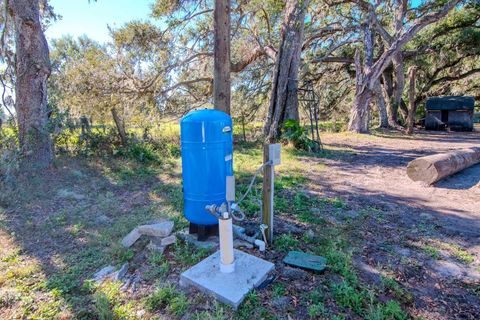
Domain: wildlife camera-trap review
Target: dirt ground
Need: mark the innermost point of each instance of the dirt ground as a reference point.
(414, 244)
(443, 218)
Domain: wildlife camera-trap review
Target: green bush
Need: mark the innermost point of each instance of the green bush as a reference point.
(141, 152)
(294, 133)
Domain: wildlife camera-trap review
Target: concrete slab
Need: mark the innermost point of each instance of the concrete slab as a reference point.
(229, 288)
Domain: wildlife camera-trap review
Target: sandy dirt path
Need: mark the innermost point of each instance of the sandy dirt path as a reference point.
(375, 172)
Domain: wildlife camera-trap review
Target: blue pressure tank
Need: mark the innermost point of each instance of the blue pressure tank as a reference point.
(207, 145)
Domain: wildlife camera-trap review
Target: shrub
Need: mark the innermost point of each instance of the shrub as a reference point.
(294, 133)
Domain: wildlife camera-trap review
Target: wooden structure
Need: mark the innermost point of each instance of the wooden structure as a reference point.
(432, 168)
(455, 113)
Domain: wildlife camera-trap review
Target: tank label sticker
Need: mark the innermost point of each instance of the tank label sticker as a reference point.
(228, 157)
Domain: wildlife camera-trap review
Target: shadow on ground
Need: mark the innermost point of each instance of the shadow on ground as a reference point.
(70, 221)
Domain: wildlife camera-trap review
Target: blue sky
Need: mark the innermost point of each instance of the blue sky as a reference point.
(91, 18)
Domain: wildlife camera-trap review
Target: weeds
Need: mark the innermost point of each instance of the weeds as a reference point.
(393, 286)
(386, 311)
(432, 252)
(286, 242)
(316, 310)
(158, 267)
(278, 290)
(348, 297)
(168, 298)
(461, 254)
(102, 307)
(187, 255)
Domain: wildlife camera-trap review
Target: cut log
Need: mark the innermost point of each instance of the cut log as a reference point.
(433, 168)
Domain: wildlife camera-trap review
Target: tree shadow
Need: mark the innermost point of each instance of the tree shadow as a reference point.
(70, 221)
(463, 180)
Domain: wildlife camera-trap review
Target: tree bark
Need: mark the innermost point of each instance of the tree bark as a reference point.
(32, 69)
(399, 84)
(359, 114)
(411, 100)
(221, 78)
(433, 168)
(120, 127)
(381, 106)
(284, 96)
(387, 90)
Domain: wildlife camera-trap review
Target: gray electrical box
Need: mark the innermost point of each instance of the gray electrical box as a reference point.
(274, 153)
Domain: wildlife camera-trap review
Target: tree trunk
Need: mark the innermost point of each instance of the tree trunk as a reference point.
(221, 77)
(381, 106)
(387, 90)
(430, 169)
(399, 84)
(411, 100)
(120, 126)
(359, 114)
(284, 96)
(32, 69)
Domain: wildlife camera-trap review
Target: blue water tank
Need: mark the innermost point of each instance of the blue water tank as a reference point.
(207, 145)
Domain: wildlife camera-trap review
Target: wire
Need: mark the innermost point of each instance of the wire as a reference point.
(240, 216)
(253, 180)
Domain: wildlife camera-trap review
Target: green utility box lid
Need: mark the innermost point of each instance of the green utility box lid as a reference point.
(305, 261)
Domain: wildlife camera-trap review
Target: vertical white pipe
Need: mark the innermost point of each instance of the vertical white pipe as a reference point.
(227, 262)
(272, 184)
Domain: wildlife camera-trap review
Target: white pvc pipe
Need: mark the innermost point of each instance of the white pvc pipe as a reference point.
(260, 244)
(227, 260)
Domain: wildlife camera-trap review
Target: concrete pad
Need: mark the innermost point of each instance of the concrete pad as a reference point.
(229, 288)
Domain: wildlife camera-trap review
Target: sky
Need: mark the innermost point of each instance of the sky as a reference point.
(81, 17)
(91, 18)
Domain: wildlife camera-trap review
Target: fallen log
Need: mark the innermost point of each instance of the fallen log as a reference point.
(431, 169)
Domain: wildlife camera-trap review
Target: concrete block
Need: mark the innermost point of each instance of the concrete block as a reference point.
(168, 240)
(120, 274)
(229, 288)
(103, 273)
(162, 229)
(155, 248)
(130, 238)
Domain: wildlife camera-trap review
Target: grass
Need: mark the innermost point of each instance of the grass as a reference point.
(286, 242)
(391, 285)
(432, 252)
(461, 254)
(278, 290)
(48, 284)
(316, 310)
(454, 250)
(159, 267)
(169, 298)
(348, 296)
(187, 255)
